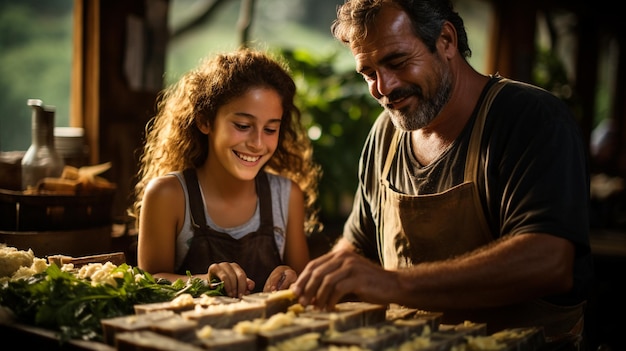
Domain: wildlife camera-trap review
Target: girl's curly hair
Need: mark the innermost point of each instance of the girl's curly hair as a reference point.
(173, 141)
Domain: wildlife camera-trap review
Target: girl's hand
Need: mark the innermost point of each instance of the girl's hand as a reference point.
(236, 282)
(280, 278)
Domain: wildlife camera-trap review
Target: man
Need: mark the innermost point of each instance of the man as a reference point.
(473, 189)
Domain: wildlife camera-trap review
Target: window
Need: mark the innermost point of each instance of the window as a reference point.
(36, 46)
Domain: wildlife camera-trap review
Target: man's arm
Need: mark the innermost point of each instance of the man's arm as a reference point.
(343, 244)
(512, 269)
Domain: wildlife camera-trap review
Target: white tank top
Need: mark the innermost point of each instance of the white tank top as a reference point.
(280, 190)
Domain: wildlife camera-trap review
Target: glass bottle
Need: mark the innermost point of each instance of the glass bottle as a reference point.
(41, 159)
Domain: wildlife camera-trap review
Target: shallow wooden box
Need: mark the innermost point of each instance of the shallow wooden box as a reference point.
(78, 242)
(23, 212)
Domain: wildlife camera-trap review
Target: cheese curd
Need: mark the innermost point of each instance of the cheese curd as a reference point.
(11, 259)
(39, 265)
(205, 332)
(275, 322)
(182, 300)
(100, 273)
(207, 300)
(304, 342)
(484, 343)
(296, 308)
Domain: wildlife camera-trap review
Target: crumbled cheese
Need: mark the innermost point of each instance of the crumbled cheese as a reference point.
(207, 300)
(67, 267)
(333, 318)
(248, 326)
(205, 333)
(367, 332)
(416, 343)
(286, 294)
(278, 321)
(296, 308)
(484, 343)
(11, 259)
(346, 348)
(275, 322)
(419, 342)
(304, 342)
(39, 265)
(223, 308)
(132, 319)
(100, 273)
(511, 334)
(182, 300)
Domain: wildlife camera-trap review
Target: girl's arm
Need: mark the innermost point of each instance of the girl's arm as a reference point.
(161, 218)
(296, 248)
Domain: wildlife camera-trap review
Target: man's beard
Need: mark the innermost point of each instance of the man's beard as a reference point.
(427, 109)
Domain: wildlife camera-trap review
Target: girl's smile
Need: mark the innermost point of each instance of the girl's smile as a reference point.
(247, 158)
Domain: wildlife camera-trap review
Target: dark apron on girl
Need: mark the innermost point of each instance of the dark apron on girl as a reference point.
(421, 228)
(256, 252)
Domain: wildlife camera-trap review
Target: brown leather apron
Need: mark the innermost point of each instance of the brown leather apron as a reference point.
(256, 252)
(422, 228)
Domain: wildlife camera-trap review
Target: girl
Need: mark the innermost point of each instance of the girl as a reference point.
(227, 183)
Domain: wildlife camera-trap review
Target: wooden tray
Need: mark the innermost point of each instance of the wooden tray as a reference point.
(23, 212)
(79, 242)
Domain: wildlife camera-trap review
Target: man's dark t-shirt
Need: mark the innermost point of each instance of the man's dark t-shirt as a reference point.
(532, 175)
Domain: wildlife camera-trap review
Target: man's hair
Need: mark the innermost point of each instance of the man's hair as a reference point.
(427, 17)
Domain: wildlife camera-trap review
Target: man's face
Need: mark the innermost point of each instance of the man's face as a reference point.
(408, 80)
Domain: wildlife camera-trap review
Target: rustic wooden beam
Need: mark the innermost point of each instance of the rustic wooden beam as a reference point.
(511, 49)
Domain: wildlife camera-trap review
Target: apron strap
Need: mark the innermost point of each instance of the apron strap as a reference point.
(473, 150)
(264, 195)
(196, 204)
(393, 147)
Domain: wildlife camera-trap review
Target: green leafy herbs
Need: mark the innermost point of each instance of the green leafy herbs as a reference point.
(61, 301)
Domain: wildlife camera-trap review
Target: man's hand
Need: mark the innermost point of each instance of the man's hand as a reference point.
(329, 278)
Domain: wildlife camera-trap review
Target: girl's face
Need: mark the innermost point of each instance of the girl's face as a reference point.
(245, 133)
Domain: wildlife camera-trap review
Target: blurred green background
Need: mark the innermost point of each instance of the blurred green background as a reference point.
(35, 62)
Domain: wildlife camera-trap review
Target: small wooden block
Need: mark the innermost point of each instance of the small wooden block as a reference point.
(113, 326)
(349, 315)
(275, 302)
(226, 340)
(150, 341)
(379, 336)
(176, 327)
(226, 315)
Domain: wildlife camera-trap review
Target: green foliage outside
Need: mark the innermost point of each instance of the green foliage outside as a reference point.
(35, 63)
(338, 105)
(549, 72)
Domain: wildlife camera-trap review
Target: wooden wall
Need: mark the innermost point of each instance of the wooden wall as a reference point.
(117, 74)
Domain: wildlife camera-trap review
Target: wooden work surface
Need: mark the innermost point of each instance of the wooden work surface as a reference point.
(26, 337)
